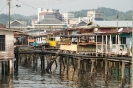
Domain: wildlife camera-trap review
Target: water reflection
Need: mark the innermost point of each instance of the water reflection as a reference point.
(30, 76)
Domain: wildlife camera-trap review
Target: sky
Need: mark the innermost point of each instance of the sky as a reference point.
(29, 7)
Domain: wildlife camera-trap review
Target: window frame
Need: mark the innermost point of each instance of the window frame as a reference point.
(2, 46)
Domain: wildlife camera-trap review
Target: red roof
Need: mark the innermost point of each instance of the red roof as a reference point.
(127, 30)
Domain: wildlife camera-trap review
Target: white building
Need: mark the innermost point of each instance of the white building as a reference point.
(95, 15)
(85, 19)
(43, 12)
(66, 17)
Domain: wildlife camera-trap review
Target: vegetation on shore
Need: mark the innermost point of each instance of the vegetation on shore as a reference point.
(109, 14)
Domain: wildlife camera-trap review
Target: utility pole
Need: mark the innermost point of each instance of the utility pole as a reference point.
(132, 52)
(9, 14)
(117, 21)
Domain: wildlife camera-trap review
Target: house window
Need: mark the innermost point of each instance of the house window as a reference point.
(123, 40)
(2, 42)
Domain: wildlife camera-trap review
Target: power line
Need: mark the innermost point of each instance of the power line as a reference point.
(3, 8)
(27, 5)
(1, 3)
(48, 2)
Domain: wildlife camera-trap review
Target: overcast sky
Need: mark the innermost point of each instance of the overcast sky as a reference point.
(29, 7)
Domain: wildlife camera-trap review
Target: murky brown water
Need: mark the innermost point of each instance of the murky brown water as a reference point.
(33, 78)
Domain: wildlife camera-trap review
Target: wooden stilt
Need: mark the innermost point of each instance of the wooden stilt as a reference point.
(123, 74)
(44, 62)
(106, 69)
(60, 65)
(3, 68)
(41, 58)
(67, 65)
(92, 67)
(78, 65)
(6, 67)
(84, 65)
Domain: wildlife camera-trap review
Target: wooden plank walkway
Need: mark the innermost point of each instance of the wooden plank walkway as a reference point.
(76, 55)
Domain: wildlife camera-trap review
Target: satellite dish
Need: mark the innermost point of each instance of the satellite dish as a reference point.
(120, 29)
(96, 29)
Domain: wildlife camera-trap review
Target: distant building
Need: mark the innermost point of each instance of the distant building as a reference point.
(43, 12)
(21, 25)
(34, 21)
(95, 15)
(66, 17)
(73, 22)
(85, 19)
(50, 23)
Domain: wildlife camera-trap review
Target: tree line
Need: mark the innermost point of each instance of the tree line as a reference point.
(109, 14)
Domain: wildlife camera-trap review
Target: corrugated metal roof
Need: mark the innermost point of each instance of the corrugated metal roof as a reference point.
(127, 30)
(114, 23)
(49, 21)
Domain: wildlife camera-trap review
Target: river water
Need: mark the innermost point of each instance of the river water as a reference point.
(31, 77)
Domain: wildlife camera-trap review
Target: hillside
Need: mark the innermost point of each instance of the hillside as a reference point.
(4, 18)
(109, 14)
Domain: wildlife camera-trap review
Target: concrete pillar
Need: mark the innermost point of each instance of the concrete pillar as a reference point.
(110, 45)
(130, 44)
(102, 46)
(106, 45)
(11, 66)
(116, 45)
(96, 46)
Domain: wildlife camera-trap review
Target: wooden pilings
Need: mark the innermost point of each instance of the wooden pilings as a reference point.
(123, 74)
(78, 65)
(106, 70)
(7, 67)
(42, 62)
(92, 68)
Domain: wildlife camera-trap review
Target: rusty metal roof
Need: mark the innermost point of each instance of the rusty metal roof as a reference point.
(127, 30)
